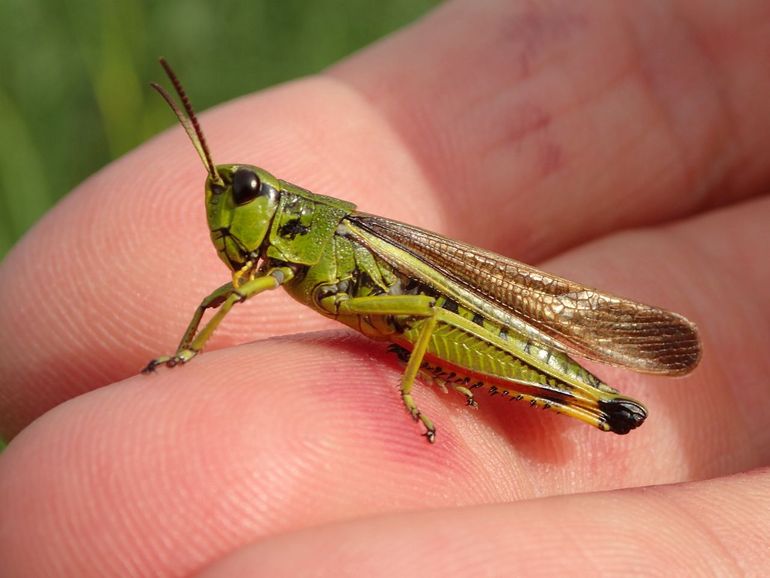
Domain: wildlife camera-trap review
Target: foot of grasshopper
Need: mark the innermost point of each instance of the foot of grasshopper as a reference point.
(468, 396)
(180, 357)
(417, 415)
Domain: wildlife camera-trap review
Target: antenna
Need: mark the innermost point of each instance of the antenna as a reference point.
(189, 122)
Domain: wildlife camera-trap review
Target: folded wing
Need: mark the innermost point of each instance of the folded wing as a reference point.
(579, 319)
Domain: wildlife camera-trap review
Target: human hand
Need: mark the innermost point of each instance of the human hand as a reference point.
(622, 142)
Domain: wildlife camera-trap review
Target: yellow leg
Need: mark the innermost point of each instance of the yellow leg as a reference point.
(211, 302)
(412, 305)
(406, 305)
(435, 375)
(224, 298)
(469, 400)
(412, 367)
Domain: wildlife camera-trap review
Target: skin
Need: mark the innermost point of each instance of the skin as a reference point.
(619, 144)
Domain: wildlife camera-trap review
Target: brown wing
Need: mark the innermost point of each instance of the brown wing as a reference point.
(579, 319)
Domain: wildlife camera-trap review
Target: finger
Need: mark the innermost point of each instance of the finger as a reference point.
(709, 528)
(159, 475)
(247, 440)
(575, 119)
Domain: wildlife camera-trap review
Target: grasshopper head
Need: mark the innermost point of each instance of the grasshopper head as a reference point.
(240, 206)
(240, 199)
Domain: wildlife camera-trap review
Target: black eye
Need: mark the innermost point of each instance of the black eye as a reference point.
(246, 186)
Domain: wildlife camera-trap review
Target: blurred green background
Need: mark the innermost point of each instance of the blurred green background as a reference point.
(74, 75)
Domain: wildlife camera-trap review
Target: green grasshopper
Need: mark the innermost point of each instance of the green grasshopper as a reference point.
(457, 315)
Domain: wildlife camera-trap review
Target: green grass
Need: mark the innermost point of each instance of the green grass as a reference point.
(74, 89)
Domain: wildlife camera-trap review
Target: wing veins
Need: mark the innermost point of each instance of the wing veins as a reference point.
(579, 319)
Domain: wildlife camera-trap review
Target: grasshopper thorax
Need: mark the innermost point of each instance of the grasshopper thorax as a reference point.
(240, 206)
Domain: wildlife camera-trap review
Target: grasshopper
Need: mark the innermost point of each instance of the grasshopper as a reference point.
(460, 316)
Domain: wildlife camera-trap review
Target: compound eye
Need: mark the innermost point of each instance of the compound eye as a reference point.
(246, 186)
